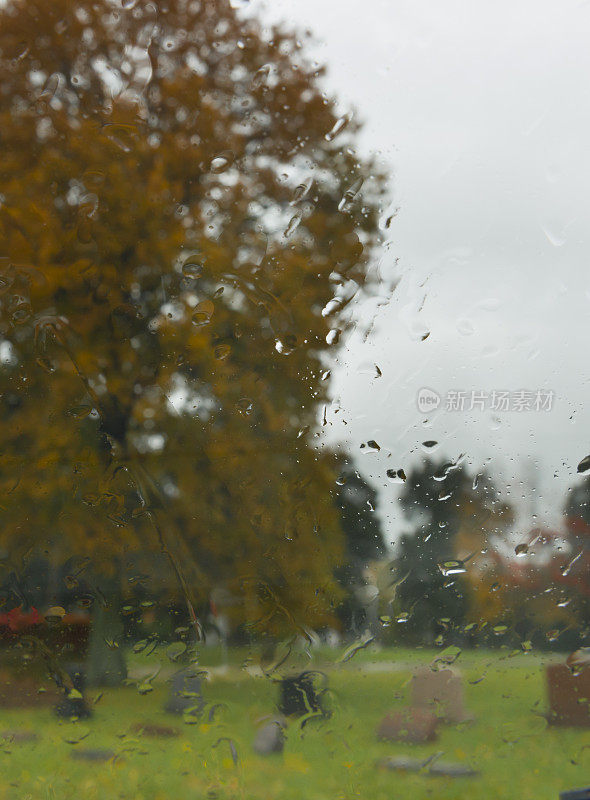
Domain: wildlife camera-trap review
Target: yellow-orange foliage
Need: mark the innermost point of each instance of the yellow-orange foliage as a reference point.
(176, 210)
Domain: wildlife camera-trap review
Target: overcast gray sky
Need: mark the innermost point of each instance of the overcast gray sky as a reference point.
(481, 111)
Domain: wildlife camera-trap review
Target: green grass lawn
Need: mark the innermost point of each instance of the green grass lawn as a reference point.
(509, 743)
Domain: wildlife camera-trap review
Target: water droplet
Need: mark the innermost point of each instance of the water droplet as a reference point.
(354, 648)
(244, 406)
(584, 465)
(76, 734)
(452, 567)
(429, 445)
(21, 313)
(88, 205)
(396, 475)
(222, 351)
(578, 660)
(293, 224)
(554, 239)
(175, 650)
(333, 336)
(350, 194)
(261, 76)
(301, 191)
(286, 344)
(192, 267)
(50, 87)
(220, 163)
(21, 50)
(203, 312)
(566, 571)
(55, 613)
(338, 127)
(442, 473)
(448, 656)
(521, 549)
(80, 412)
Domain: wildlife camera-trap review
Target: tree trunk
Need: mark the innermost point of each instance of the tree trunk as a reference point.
(106, 661)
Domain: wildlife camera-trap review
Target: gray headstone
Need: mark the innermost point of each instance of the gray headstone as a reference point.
(185, 692)
(441, 692)
(401, 763)
(447, 770)
(430, 766)
(270, 738)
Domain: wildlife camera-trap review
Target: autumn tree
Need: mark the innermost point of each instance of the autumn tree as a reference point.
(184, 221)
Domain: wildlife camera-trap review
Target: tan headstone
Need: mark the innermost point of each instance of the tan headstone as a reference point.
(441, 692)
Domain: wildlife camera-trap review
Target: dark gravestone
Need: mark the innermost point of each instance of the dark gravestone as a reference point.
(77, 673)
(299, 695)
(155, 729)
(270, 738)
(413, 725)
(73, 703)
(575, 794)
(439, 691)
(569, 696)
(185, 692)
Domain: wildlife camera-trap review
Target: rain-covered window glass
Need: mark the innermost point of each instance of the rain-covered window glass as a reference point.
(294, 480)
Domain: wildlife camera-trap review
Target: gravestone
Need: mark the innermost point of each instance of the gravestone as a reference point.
(155, 729)
(429, 766)
(18, 737)
(299, 695)
(576, 794)
(441, 692)
(270, 738)
(412, 725)
(185, 692)
(569, 696)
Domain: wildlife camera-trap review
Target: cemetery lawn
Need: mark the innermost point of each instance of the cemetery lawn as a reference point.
(517, 755)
